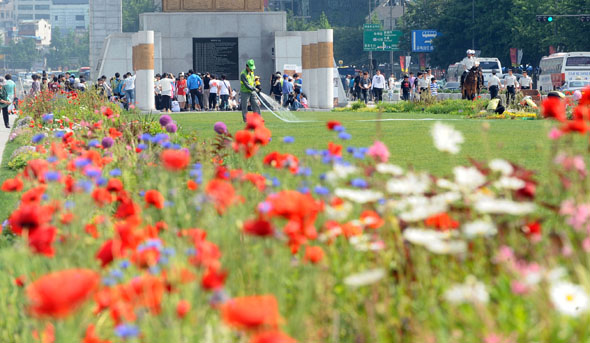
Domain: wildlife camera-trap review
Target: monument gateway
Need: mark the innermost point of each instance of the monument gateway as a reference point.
(213, 5)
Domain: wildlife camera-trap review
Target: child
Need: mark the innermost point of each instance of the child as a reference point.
(433, 87)
(406, 88)
(304, 100)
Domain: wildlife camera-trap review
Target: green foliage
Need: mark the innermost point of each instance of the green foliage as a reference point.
(21, 55)
(21, 160)
(131, 11)
(359, 105)
(451, 107)
(68, 50)
(301, 24)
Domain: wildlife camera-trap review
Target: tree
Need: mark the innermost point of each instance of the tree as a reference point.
(67, 50)
(22, 55)
(131, 11)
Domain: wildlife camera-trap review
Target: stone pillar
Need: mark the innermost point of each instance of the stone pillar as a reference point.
(325, 69)
(143, 65)
(106, 17)
(305, 63)
(313, 64)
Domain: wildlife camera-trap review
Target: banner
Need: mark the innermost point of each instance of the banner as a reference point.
(513, 56)
(408, 60)
(551, 50)
(422, 57)
(520, 53)
(402, 63)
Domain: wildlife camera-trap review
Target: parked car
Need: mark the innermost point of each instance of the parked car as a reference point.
(574, 85)
(452, 86)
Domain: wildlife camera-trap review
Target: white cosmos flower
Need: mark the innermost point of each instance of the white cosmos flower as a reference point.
(447, 197)
(502, 206)
(471, 291)
(339, 212)
(340, 172)
(416, 208)
(360, 196)
(479, 228)
(446, 184)
(511, 183)
(569, 299)
(556, 274)
(435, 241)
(469, 178)
(446, 138)
(392, 169)
(501, 166)
(368, 277)
(452, 247)
(409, 184)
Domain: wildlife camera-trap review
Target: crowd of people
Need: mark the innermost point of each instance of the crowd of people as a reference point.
(363, 87)
(288, 91)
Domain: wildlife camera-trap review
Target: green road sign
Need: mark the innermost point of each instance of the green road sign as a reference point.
(381, 40)
(372, 27)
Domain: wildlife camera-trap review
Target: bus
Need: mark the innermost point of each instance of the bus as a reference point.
(559, 68)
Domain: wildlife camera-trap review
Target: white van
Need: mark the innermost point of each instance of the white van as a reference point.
(489, 64)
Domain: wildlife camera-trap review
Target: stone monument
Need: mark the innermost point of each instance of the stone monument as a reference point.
(213, 5)
(106, 18)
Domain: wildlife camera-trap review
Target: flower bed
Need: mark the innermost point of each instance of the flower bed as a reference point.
(128, 230)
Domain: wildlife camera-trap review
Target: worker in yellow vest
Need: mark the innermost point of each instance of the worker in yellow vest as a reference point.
(248, 89)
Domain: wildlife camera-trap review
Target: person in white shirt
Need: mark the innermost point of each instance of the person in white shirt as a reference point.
(213, 89)
(166, 86)
(525, 81)
(158, 92)
(511, 84)
(129, 88)
(378, 85)
(468, 63)
(391, 87)
(224, 92)
(493, 85)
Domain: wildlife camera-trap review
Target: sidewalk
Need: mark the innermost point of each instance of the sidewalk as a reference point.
(4, 133)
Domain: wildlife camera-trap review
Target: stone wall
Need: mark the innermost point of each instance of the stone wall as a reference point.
(106, 17)
(212, 5)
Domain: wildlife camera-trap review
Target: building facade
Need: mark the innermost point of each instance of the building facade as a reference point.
(70, 15)
(40, 30)
(32, 9)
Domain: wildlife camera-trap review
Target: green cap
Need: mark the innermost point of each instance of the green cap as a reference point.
(250, 64)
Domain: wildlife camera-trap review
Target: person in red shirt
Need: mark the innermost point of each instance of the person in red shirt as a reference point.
(181, 91)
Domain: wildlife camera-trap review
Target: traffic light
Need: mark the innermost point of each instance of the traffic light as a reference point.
(585, 19)
(545, 18)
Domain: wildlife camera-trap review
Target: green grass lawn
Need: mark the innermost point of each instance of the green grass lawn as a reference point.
(7, 200)
(521, 141)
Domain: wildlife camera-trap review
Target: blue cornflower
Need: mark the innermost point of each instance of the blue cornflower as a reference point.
(358, 183)
(311, 152)
(124, 264)
(155, 270)
(351, 150)
(93, 173)
(93, 143)
(154, 243)
(59, 134)
(176, 146)
(323, 176)
(116, 274)
(303, 189)
(264, 207)
(288, 139)
(51, 159)
(45, 197)
(108, 281)
(321, 190)
(142, 193)
(146, 137)
(168, 203)
(344, 135)
(359, 153)
(163, 260)
(115, 172)
(142, 146)
(191, 251)
(81, 162)
(166, 145)
(160, 137)
(304, 171)
(38, 138)
(169, 251)
(339, 128)
(85, 185)
(47, 117)
(126, 331)
(101, 181)
(68, 205)
(275, 182)
(52, 176)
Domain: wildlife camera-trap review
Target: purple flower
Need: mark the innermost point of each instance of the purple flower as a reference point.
(48, 117)
(126, 331)
(344, 135)
(220, 127)
(107, 142)
(358, 183)
(38, 138)
(165, 120)
(171, 128)
(52, 176)
(288, 140)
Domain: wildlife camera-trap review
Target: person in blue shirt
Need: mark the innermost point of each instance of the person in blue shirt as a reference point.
(287, 90)
(194, 83)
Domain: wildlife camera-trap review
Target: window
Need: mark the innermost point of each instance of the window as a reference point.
(25, 16)
(488, 65)
(79, 17)
(25, 7)
(578, 61)
(42, 16)
(56, 18)
(42, 7)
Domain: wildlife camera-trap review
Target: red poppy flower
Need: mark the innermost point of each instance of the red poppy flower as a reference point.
(251, 313)
(532, 229)
(554, 108)
(579, 125)
(102, 196)
(114, 133)
(182, 308)
(12, 185)
(58, 294)
(334, 149)
(175, 159)
(192, 185)
(213, 279)
(91, 230)
(262, 136)
(314, 254)
(41, 240)
(257, 180)
(108, 251)
(209, 254)
(115, 185)
(36, 168)
(19, 281)
(332, 124)
(33, 195)
(154, 198)
(107, 111)
(272, 337)
(29, 217)
(254, 121)
(222, 193)
(146, 258)
(91, 336)
(585, 100)
(371, 219)
(258, 227)
(442, 221)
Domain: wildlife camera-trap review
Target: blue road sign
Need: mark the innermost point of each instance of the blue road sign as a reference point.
(422, 40)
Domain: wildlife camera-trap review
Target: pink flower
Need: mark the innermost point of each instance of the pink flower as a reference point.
(586, 244)
(519, 288)
(505, 254)
(379, 152)
(555, 133)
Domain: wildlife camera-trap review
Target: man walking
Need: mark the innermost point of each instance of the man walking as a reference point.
(365, 87)
(194, 83)
(207, 91)
(248, 89)
(525, 81)
(378, 86)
